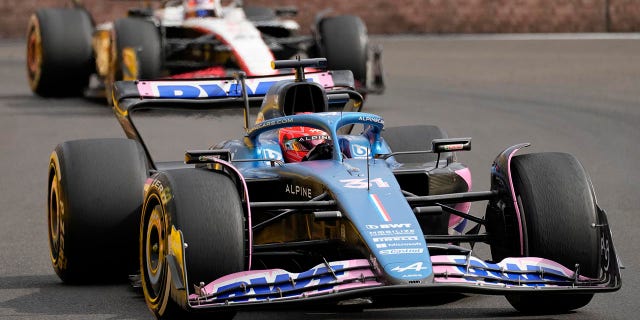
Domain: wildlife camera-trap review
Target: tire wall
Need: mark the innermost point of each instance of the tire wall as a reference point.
(408, 16)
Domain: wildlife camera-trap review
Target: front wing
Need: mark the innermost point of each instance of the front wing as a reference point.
(333, 282)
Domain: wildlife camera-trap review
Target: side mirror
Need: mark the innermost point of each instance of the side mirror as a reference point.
(449, 145)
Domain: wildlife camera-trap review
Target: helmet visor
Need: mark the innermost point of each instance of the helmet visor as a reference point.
(305, 143)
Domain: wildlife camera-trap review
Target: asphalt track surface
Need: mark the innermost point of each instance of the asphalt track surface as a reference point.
(578, 96)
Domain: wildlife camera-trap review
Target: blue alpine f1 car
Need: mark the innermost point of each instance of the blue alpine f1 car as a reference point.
(363, 215)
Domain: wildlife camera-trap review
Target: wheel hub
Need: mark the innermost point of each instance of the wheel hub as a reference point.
(55, 223)
(34, 53)
(155, 249)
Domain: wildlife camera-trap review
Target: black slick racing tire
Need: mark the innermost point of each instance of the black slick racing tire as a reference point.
(94, 201)
(136, 52)
(345, 44)
(556, 198)
(414, 138)
(59, 52)
(206, 207)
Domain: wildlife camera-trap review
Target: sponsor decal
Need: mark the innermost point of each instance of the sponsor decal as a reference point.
(271, 154)
(314, 137)
(381, 209)
(278, 284)
(270, 123)
(403, 244)
(208, 90)
(391, 239)
(396, 245)
(522, 270)
(417, 267)
(283, 282)
(402, 251)
(298, 190)
(358, 151)
(378, 233)
(388, 226)
(371, 119)
(216, 88)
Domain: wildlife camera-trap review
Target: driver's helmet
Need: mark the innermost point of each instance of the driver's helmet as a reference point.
(202, 8)
(296, 142)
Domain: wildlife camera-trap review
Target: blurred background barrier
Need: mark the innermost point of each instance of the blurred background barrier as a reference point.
(403, 16)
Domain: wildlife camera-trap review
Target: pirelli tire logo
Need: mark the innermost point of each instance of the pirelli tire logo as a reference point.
(163, 191)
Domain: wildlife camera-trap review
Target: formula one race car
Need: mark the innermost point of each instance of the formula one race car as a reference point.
(318, 209)
(67, 55)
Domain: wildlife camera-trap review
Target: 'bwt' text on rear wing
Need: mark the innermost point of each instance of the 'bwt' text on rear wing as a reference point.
(225, 91)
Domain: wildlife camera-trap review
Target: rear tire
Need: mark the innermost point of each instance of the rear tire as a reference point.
(206, 207)
(557, 203)
(345, 44)
(144, 61)
(59, 52)
(95, 189)
(414, 138)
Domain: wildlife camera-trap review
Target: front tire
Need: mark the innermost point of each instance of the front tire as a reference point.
(59, 52)
(558, 208)
(136, 52)
(95, 189)
(206, 208)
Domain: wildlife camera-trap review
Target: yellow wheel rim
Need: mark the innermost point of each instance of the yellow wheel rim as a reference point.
(34, 52)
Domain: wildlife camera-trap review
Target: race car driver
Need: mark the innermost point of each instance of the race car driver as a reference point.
(304, 143)
(202, 8)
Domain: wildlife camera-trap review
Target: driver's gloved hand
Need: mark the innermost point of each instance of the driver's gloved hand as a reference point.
(323, 151)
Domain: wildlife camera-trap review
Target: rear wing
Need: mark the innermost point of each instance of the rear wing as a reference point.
(219, 91)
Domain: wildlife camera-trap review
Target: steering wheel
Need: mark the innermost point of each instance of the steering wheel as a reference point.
(323, 151)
